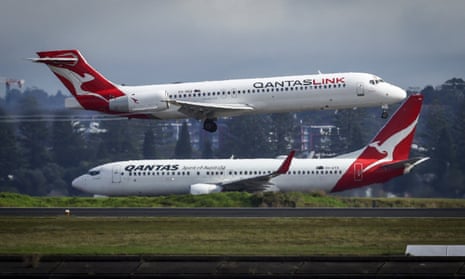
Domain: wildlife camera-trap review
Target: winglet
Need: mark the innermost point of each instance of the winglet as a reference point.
(286, 164)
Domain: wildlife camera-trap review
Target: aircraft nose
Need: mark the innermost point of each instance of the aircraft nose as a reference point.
(80, 183)
(397, 93)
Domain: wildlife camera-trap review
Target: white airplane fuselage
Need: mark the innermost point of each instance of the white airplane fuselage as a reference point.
(265, 95)
(166, 177)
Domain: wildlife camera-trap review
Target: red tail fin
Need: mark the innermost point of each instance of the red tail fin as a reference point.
(391, 144)
(91, 89)
(395, 138)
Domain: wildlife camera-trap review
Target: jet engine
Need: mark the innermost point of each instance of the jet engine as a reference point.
(200, 189)
(138, 103)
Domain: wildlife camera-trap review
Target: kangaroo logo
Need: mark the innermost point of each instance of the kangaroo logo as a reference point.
(388, 146)
(75, 79)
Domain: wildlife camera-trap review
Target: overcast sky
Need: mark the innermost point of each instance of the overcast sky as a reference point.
(408, 43)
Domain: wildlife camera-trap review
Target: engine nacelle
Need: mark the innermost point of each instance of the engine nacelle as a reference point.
(139, 103)
(120, 104)
(201, 189)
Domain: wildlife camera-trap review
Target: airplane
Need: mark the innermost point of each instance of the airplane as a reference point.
(385, 157)
(209, 100)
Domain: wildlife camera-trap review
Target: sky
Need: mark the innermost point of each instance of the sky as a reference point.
(411, 43)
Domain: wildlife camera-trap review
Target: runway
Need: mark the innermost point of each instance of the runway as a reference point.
(153, 266)
(239, 212)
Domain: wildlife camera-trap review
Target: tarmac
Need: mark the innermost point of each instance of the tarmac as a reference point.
(147, 266)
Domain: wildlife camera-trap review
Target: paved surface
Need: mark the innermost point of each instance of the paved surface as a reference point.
(240, 212)
(230, 267)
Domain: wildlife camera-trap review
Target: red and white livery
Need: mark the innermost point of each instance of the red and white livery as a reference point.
(385, 157)
(209, 100)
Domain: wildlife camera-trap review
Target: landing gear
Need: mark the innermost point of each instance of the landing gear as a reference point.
(384, 114)
(210, 125)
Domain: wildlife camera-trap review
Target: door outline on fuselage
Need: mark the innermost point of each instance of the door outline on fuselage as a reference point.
(360, 90)
(358, 172)
(116, 174)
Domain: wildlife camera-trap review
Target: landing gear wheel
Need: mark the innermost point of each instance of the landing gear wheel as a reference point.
(210, 125)
(384, 114)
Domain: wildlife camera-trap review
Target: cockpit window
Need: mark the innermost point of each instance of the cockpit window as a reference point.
(94, 172)
(376, 81)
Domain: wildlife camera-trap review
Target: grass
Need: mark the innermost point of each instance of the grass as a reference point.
(225, 236)
(231, 199)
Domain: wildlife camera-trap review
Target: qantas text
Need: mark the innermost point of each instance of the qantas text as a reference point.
(304, 82)
(151, 167)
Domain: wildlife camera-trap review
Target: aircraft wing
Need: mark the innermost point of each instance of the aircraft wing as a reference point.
(407, 165)
(207, 110)
(258, 183)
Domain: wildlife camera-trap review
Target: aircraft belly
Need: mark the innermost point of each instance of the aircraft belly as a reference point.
(170, 113)
(158, 186)
(305, 183)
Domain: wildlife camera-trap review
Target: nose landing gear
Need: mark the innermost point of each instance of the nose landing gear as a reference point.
(384, 113)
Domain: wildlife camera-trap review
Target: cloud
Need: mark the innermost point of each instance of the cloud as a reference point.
(407, 43)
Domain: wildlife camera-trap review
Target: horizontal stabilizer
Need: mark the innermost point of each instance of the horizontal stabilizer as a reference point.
(407, 165)
(54, 60)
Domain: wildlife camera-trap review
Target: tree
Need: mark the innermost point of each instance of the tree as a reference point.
(148, 148)
(68, 148)
(118, 143)
(183, 148)
(459, 139)
(8, 150)
(353, 136)
(283, 127)
(248, 136)
(443, 158)
(30, 181)
(33, 136)
(207, 151)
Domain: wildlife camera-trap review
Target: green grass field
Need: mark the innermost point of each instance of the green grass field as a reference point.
(231, 199)
(224, 236)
